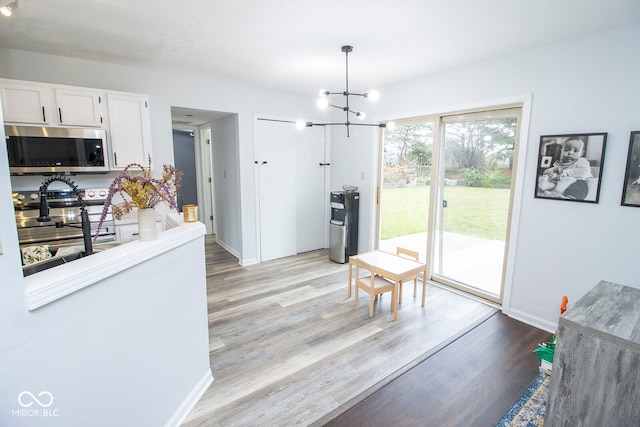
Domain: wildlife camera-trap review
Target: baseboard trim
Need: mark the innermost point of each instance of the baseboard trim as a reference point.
(227, 248)
(533, 320)
(359, 398)
(251, 261)
(190, 401)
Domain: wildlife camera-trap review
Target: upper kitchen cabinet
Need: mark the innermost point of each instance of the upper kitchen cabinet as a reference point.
(130, 124)
(125, 116)
(50, 105)
(26, 103)
(79, 107)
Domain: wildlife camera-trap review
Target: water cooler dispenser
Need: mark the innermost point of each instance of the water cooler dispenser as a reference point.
(343, 236)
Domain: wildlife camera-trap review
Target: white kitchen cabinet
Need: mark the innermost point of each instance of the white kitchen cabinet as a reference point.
(124, 115)
(130, 124)
(50, 105)
(26, 103)
(79, 107)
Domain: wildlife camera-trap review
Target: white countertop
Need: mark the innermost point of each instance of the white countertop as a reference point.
(57, 282)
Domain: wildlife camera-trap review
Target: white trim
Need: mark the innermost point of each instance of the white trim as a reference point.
(516, 202)
(256, 186)
(250, 261)
(376, 173)
(204, 172)
(538, 322)
(191, 400)
(460, 108)
(228, 248)
(57, 282)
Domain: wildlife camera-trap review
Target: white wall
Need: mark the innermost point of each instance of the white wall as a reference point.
(587, 84)
(353, 162)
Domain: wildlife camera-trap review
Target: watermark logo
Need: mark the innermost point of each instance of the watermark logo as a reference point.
(35, 405)
(44, 399)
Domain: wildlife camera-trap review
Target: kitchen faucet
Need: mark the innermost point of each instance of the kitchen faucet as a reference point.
(84, 215)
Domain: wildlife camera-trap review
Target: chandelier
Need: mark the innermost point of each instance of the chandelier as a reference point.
(324, 102)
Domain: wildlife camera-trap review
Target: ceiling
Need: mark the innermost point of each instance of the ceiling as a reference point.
(188, 119)
(294, 45)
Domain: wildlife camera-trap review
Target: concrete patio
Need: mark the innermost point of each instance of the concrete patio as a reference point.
(472, 261)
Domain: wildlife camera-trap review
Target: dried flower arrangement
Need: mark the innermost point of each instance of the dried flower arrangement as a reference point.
(141, 191)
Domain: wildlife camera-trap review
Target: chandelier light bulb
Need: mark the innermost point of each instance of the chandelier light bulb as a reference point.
(391, 125)
(8, 9)
(323, 103)
(361, 115)
(373, 95)
(301, 124)
(323, 93)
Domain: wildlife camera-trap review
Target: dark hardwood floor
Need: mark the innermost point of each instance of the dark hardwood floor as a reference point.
(471, 382)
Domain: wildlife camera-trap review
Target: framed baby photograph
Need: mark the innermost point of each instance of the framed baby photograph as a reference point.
(631, 186)
(570, 167)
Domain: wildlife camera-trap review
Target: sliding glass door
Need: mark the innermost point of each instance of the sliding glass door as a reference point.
(473, 199)
(405, 186)
(458, 216)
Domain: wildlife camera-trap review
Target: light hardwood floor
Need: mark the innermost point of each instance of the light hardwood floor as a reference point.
(288, 348)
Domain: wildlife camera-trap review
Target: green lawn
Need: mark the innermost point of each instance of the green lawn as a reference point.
(473, 211)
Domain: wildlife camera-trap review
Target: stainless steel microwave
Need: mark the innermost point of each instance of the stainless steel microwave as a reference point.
(47, 150)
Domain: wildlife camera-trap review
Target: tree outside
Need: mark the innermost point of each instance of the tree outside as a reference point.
(407, 155)
(478, 153)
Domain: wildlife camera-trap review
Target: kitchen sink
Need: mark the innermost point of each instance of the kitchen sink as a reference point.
(28, 270)
(65, 255)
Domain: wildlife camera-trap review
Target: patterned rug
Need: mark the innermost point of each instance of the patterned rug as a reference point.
(528, 410)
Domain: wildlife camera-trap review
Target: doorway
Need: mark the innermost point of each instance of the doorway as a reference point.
(184, 157)
(198, 166)
(446, 191)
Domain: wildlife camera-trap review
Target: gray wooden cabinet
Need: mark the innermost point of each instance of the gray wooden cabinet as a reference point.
(596, 366)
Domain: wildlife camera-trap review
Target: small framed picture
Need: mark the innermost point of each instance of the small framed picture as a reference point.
(631, 186)
(570, 167)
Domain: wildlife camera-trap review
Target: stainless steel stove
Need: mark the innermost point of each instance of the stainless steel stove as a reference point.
(64, 229)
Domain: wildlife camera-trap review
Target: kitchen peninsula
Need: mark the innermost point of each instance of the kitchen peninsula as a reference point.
(58, 282)
(106, 333)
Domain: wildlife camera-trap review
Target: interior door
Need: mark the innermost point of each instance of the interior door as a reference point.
(276, 169)
(310, 191)
(206, 179)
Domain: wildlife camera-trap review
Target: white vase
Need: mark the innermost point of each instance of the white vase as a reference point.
(147, 229)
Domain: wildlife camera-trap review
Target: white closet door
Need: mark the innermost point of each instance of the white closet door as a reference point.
(310, 178)
(276, 169)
